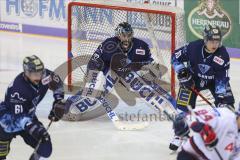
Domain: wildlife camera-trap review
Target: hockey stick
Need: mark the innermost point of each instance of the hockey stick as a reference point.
(208, 102)
(194, 114)
(118, 124)
(114, 118)
(40, 141)
(111, 114)
(203, 98)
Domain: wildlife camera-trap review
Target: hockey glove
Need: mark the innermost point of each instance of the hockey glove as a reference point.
(37, 131)
(221, 100)
(185, 78)
(207, 133)
(181, 131)
(57, 111)
(180, 126)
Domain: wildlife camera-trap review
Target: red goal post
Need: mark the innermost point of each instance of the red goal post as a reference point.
(89, 23)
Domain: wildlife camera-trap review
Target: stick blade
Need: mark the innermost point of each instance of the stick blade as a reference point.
(130, 126)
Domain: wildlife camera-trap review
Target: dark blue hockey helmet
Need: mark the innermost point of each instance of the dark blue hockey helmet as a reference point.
(32, 64)
(180, 125)
(212, 32)
(124, 28)
(124, 32)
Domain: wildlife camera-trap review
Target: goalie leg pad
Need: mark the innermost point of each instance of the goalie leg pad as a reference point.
(4, 149)
(185, 97)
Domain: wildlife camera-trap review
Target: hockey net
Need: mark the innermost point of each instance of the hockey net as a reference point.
(90, 23)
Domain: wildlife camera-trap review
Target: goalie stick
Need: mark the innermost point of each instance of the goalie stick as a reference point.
(113, 116)
(88, 92)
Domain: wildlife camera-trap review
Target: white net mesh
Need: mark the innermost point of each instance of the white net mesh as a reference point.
(91, 25)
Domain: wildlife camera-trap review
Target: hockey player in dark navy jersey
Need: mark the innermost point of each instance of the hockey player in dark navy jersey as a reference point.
(203, 64)
(124, 49)
(17, 111)
(134, 52)
(207, 68)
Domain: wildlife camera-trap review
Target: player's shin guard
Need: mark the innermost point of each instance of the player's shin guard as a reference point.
(44, 149)
(4, 149)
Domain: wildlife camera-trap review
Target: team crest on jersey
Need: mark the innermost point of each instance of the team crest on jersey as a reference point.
(140, 51)
(203, 68)
(218, 60)
(17, 96)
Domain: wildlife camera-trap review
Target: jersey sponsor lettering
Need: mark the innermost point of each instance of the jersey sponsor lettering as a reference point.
(46, 80)
(218, 60)
(140, 51)
(205, 76)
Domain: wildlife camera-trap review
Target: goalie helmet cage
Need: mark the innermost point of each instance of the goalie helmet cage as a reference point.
(90, 23)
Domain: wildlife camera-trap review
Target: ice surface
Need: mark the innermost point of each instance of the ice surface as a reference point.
(96, 139)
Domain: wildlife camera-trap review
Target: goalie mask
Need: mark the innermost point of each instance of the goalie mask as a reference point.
(124, 32)
(33, 68)
(212, 38)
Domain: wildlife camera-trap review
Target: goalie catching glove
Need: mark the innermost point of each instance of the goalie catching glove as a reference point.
(57, 111)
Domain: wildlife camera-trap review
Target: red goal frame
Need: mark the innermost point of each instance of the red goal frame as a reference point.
(115, 7)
